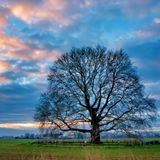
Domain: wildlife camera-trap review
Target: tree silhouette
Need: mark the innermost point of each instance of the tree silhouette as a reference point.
(98, 88)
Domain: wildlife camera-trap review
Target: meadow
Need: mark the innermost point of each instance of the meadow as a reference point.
(29, 150)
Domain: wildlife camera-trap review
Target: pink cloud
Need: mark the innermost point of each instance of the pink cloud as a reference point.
(7, 42)
(4, 13)
(143, 34)
(12, 47)
(43, 54)
(5, 66)
(147, 32)
(50, 10)
(34, 54)
(4, 80)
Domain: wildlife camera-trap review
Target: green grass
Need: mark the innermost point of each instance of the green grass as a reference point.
(26, 150)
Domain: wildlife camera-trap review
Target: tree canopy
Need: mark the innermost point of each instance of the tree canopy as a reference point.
(94, 90)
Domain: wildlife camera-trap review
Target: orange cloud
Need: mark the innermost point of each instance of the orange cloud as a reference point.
(3, 20)
(53, 10)
(20, 125)
(37, 54)
(23, 11)
(45, 58)
(4, 80)
(27, 125)
(4, 66)
(7, 42)
(42, 54)
(12, 47)
(17, 54)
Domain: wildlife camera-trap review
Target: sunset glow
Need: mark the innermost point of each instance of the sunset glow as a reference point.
(19, 125)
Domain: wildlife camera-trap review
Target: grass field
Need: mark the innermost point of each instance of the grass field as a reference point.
(26, 150)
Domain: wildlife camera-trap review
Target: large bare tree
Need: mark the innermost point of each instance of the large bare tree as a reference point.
(97, 88)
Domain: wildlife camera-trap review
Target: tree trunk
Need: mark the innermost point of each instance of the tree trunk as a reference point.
(95, 134)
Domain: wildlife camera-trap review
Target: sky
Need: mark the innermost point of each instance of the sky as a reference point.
(34, 33)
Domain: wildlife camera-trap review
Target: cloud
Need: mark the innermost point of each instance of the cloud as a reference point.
(19, 125)
(130, 9)
(88, 19)
(152, 89)
(31, 54)
(4, 80)
(16, 98)
(14, 48)
(22, 91)
(156, 97)
(139, 9)
(157, 20)
(142, 34)
(5, 66)
(31, 12)
(151, 84)
(148, 32)
(4, 13)
(9, 44)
